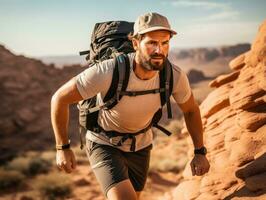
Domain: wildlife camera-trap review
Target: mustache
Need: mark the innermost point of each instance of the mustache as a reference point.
(157, 55)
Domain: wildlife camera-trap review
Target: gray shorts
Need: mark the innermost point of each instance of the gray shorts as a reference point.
(111, 165)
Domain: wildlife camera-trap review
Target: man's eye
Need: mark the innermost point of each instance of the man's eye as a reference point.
(165, 43)
(152, 42)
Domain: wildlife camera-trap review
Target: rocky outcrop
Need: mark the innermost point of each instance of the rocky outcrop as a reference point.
(234, 120)
(26, 88)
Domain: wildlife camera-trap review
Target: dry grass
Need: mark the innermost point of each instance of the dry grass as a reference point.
(169, 153)
(10, 178)
(49, 156)
(53, 186)
(30, 165)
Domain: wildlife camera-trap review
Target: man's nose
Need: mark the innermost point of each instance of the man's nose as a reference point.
(158, 48)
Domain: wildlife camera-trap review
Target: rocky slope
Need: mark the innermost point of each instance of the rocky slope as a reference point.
(234, 119)
(26, 88)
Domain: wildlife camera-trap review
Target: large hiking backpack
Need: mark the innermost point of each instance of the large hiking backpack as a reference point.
(110, 40)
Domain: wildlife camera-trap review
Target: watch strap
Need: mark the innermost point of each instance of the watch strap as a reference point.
(202, 151)
(63, 146)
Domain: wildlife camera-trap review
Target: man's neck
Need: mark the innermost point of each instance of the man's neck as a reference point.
(141, 72)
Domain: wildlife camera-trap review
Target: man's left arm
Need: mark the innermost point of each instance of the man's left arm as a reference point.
(199, 164)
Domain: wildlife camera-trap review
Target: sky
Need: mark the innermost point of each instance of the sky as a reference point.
(63, 27)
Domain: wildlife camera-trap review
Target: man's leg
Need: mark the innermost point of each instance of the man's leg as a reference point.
(111, 171)
(121, 191)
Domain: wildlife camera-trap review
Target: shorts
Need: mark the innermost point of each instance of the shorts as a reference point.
(111, 165)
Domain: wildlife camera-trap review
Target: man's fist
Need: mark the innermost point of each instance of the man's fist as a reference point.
(65, 160)
(199, 165)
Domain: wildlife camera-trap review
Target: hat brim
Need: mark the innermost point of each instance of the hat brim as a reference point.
(156, 28)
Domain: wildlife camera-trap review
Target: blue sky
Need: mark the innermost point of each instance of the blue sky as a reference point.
(63, 27)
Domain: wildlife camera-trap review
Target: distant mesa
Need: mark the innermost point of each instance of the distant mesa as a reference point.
(209, 54)
(211, 61)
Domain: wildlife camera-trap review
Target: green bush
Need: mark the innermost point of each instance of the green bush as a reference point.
(10, 178)
(53, 185)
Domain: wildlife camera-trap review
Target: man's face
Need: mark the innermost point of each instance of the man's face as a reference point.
(152, 49)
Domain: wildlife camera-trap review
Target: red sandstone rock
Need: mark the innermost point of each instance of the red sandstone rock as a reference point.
(222, 79)
(238, 62)
(234, 117)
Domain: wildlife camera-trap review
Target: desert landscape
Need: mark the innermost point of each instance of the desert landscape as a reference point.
(228, 83)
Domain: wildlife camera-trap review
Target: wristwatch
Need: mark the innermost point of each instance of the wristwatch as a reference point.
(63, 146)
(202, 151)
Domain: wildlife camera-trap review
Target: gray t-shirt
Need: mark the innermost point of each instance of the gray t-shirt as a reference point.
(131, 114)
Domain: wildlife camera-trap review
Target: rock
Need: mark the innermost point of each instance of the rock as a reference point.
(26, 115)
(258, 166)
(251, 119)
(216, 100)
(195, 76)
(257, 182)
(26, 89)
(222, 79)
(245, 149)
(238, 62)
(245, 90)
(261, 75)
(182, 193)
(218, 159)
(234, 123)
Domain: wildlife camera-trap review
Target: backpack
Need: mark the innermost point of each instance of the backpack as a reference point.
(110, 41)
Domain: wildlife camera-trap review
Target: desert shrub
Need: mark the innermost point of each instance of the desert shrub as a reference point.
(49, 156)
(29, 166)
(53, 185)
(37, 166)
(10, 178)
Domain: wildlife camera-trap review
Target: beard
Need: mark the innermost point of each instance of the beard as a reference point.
(150, 62)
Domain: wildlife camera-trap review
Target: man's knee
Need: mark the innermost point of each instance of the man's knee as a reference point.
(122, 190)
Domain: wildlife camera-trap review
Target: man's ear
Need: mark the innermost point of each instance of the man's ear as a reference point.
(135, 44)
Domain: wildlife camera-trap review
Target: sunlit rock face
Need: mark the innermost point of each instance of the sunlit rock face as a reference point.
(234, 120)
(26, 88)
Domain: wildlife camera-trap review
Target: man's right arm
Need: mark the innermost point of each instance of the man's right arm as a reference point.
(63, 97)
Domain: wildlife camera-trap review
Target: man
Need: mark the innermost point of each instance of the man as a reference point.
(121, 172)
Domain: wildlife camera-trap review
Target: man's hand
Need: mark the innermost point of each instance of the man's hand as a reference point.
(199, 165)
(65, 160)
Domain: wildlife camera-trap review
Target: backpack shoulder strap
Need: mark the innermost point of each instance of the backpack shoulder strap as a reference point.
(119, 81)
(166, 81)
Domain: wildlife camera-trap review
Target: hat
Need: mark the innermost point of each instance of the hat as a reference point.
(151, 22)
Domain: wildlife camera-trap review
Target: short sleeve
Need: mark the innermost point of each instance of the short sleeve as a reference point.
(95, 79)
(181, 88)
